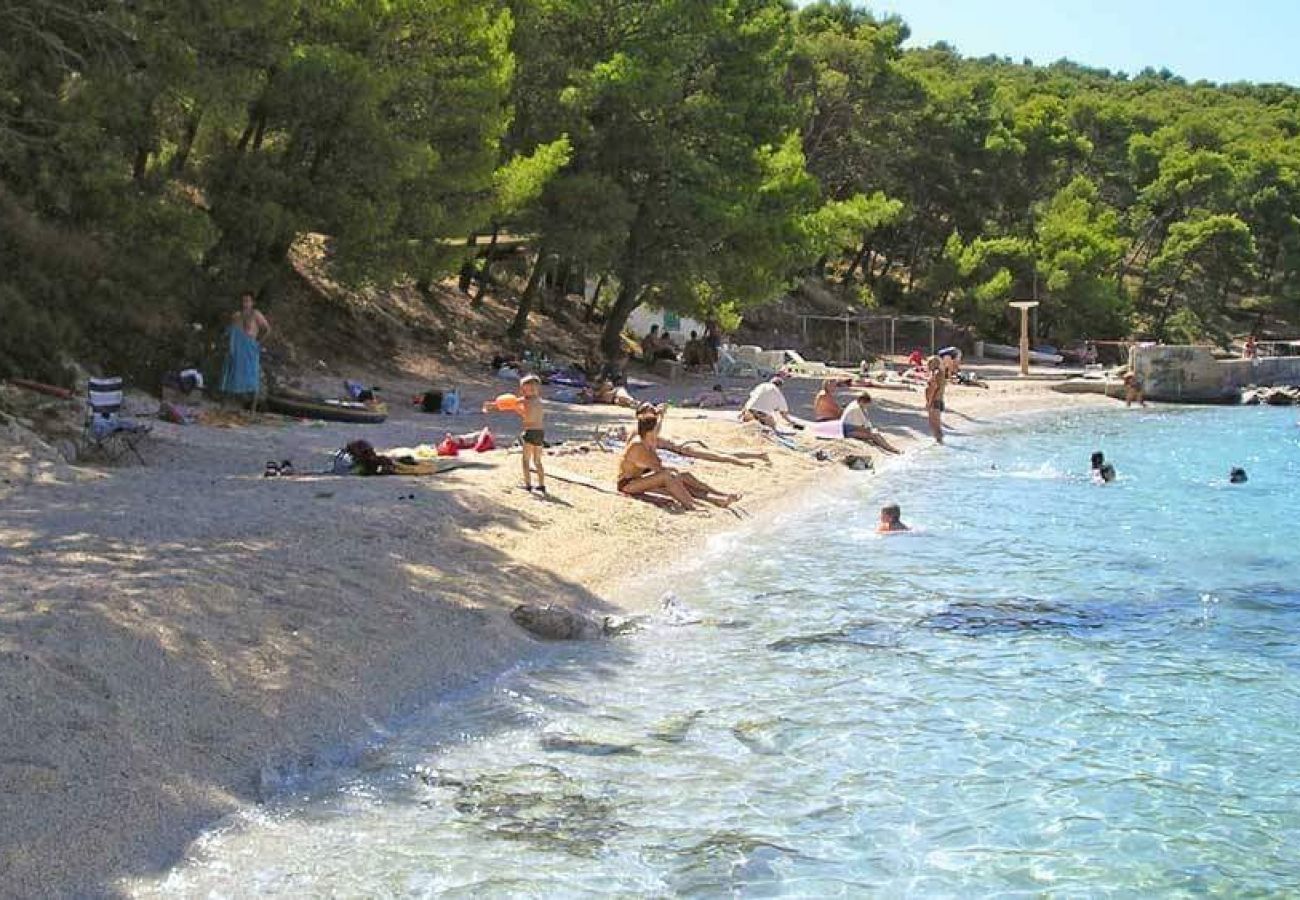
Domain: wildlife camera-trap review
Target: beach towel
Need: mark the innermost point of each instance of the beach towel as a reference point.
(242, 373)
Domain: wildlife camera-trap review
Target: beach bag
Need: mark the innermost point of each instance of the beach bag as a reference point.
(431, 402)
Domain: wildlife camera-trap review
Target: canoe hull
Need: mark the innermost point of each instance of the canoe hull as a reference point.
(325, 410)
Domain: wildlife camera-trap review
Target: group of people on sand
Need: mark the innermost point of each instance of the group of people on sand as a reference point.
(641, 469)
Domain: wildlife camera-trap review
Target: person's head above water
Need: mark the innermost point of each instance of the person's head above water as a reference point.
(891, 519)
(1237, 475)
(1098, 458)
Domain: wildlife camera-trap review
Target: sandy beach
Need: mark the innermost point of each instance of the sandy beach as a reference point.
(179, 637)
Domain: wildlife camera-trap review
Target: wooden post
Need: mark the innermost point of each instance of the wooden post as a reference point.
(1024, 306)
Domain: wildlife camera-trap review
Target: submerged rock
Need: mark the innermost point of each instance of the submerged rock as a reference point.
(674, 730)
(568, 743)
(1286, 395)
(554, 623)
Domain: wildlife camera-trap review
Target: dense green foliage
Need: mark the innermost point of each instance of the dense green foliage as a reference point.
(157, 156)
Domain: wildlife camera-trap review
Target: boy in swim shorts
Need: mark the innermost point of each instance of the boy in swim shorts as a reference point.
(529, 407)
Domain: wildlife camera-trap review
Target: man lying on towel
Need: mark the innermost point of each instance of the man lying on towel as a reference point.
(641, 471)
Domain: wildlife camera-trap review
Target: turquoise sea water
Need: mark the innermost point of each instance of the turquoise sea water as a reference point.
(1050, 687)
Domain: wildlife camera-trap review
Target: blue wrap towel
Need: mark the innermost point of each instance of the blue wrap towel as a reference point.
(243, 370)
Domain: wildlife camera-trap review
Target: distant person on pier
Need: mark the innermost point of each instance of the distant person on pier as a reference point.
(1133, 390)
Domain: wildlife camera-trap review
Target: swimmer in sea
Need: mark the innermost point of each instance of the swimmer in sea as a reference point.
(1102, 471)
(1237, 475)
(891, 520)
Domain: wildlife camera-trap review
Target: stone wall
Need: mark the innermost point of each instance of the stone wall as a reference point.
(1186, 374)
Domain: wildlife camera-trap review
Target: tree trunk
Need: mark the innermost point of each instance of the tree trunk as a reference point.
(140, 166)
(482, 275)
(611, 337)
(520, 324)
(852, 270)
(186, 144)
(595, 299)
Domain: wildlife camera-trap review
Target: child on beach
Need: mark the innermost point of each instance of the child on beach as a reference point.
(891, 520)
(529, 407)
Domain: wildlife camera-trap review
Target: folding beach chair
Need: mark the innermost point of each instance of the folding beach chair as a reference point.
(106, 432)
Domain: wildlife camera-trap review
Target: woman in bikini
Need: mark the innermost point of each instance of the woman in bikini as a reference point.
(641, 471)
(934, 390)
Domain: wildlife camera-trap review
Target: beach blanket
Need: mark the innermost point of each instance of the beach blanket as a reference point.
(242, 373)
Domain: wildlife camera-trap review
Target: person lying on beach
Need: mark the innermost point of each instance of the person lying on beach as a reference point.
(855, 423)
(825, 407)
(891, 520)
(766, 402)
(743, 458)
(713, 398)
(1102, 471)
(641, 471)
(605, 391)
(934, 390)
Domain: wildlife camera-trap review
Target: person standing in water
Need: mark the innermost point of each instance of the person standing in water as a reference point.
(249, 328)
(934, 392)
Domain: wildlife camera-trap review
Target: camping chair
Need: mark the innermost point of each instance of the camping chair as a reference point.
(105, 431)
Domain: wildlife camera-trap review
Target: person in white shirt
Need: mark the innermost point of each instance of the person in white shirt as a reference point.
(766, 402)
(855, 423)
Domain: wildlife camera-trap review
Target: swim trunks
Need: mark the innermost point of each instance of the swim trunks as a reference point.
(534, 437)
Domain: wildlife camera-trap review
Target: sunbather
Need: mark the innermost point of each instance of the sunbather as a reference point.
(825, 407)
(766, 402)
(641, 471)
(743, 458)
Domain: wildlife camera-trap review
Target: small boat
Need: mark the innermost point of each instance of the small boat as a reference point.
(327, 409)
(1109, 387)
(1005, 351)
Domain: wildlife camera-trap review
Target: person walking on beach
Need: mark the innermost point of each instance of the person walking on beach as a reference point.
(249, 328)
(855, 422)
(934, 392)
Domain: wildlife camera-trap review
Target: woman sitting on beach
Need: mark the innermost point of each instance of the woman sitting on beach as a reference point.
(641, 471)
(825, 407)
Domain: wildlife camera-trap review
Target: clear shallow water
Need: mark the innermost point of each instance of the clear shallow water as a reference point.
(1051, 687)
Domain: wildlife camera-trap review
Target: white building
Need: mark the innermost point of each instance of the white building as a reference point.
(678, 327)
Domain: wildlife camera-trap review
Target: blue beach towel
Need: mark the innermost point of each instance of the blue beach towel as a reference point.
(242, 373)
